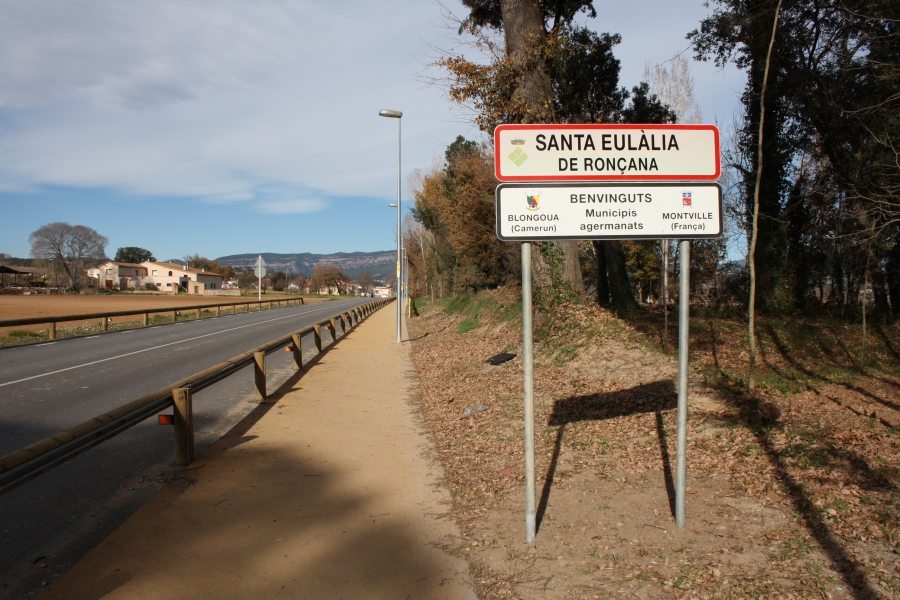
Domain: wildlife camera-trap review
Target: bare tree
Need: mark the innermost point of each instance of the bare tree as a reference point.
(328, 277)
(366, 282)
(751, 312)
(673, 82)
(73, 246)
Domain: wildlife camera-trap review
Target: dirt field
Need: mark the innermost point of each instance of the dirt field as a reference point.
(23, 307)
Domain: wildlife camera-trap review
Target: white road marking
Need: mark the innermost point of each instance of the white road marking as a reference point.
(47, 344)
(153, 348)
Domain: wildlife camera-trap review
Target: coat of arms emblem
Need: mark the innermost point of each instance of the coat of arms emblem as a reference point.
(533, 201)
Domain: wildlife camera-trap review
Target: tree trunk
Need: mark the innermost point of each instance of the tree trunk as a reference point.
(621, 296)
(665, 294)
(525, 37)
(573, 267)
(524, 34)
(882, 307)
(602, 280)
(751, 327)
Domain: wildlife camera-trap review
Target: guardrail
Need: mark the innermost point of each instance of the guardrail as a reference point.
(174, 310)
(29, 462)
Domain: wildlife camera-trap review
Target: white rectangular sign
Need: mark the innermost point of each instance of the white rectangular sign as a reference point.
(606, 152)
(555, 211)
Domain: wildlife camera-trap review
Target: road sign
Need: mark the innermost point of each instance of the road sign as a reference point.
(260, 269)
(606, 152)
(619, 211)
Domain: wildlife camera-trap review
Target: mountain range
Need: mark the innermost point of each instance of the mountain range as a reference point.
(379, 264)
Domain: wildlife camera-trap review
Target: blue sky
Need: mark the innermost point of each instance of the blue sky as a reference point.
(222, 127)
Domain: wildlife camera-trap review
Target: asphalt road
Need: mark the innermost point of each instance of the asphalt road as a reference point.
(49, 523)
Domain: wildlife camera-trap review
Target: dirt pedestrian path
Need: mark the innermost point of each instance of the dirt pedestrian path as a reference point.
(327, 492)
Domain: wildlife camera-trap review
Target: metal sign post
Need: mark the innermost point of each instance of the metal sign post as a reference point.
(684, 305)
(260, 271)
(543, 210)
(528, 368)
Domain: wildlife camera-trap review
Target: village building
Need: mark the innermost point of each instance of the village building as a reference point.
(162, 276)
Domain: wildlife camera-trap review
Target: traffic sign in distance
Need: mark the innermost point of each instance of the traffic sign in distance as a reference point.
(617, 211)
(606, 152)
(260, 268)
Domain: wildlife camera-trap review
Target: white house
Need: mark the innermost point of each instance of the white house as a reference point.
(164, 276)
(118, 275)
(195, 281)
(383, 292)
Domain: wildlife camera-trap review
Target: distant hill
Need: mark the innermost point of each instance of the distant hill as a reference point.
(379, 264)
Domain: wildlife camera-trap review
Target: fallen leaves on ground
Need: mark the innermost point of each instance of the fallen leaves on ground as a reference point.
(789, 495)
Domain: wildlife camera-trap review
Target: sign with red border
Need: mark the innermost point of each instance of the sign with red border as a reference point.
(584, 152)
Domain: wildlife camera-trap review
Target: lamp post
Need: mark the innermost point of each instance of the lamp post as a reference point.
(396, 114)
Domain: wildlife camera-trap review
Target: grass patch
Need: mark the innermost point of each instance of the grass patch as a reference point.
(24, 334)
(475, 310)
(467, 325)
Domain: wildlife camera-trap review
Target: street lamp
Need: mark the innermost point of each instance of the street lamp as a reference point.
(396, 114)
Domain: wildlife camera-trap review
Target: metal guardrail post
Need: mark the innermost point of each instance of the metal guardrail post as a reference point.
(297, 351)
(317, 333)
(259, 374)
(333, 330)
(51, 331)
(184, 426)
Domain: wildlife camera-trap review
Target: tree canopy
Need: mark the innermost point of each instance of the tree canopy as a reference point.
(72, 246)
(133, 254)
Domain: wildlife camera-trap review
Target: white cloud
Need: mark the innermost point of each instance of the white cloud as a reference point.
(218, 99)
(290, 206)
